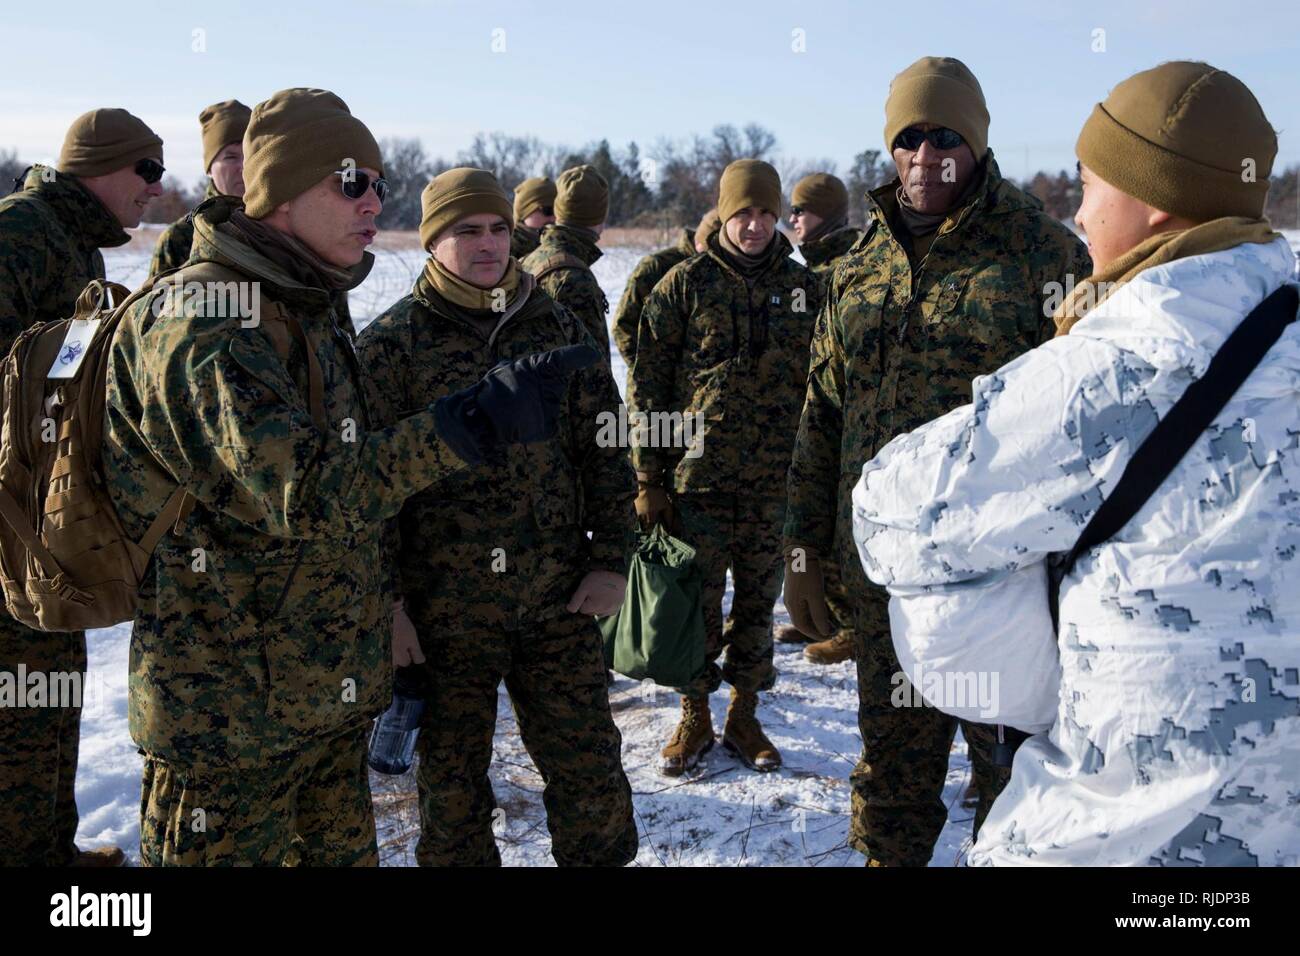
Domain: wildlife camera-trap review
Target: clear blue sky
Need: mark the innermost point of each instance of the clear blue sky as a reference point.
(572, 72)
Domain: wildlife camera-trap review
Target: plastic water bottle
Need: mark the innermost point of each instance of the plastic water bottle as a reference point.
(392, 742)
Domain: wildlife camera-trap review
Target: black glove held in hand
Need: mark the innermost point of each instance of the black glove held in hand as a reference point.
(514, 403)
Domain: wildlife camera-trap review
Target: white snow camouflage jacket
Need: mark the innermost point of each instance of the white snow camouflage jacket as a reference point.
(1176, 734)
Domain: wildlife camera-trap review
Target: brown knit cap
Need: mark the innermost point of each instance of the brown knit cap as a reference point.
(222, 124)
(106, 140)
(457, 193)
(939, 90)
(822, 195)
(297, 138)
(1182, 137)
(531, 195)
(748, 182)
(582, 197)
(710, 223)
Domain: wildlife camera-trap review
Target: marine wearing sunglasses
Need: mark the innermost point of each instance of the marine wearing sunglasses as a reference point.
(935, 165)
(336, 217)
(127, 191)
(354, 183)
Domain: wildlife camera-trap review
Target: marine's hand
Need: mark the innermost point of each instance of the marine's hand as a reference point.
(599, 593)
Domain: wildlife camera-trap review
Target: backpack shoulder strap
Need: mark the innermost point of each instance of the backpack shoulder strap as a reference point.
(556, 261)
(1191, 415)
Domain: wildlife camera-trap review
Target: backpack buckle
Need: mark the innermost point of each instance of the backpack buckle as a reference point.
(68, 591)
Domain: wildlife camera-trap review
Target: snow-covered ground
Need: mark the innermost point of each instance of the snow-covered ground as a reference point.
(722, 814)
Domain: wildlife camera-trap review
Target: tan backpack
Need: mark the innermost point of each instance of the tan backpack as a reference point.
(66, 561)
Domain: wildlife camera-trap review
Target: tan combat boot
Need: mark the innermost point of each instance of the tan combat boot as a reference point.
(744, 737)
(789, 634)
(99, 857)
(835, 651)
(692, 739)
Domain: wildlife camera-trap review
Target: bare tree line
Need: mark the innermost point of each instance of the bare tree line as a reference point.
(672, 184)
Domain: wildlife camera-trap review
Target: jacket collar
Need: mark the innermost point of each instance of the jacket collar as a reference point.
(529, 301)
(86, 219)
(686, 243)
(991, 196)
(774, 255)
(570, 239)
(216, 240)
(1178, 314)
(829, 246)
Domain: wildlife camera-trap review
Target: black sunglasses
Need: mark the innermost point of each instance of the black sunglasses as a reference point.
(796, 210)
(941, 138)
(150, 170)
(355, 183)
(546, 210)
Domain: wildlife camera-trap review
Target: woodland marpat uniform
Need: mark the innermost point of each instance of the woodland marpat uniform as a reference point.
(644, 277)
(51, 232)
(897, 346)
(562, 265)
(735, 353)
(263, 636)
(821, 255)
(173, 246)
(486, 561)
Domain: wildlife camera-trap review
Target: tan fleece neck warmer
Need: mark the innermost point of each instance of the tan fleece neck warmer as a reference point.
(467, 295)
(1213, 236)
(298, 259)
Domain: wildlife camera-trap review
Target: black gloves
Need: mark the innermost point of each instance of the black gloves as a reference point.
(514, 403)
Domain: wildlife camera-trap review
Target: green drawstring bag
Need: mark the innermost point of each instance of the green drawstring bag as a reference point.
(659, 631)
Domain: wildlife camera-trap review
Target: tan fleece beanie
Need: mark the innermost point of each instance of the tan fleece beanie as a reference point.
(939, 90)
(531, 195)
(106, 140)
(457, 193)
(297, 138)
(745, 183)
(222, 124)
(581, 197)
(1185, 138)
(822, 195)
(710, 223)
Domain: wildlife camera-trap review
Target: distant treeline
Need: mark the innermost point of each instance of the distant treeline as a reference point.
(671, 184)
